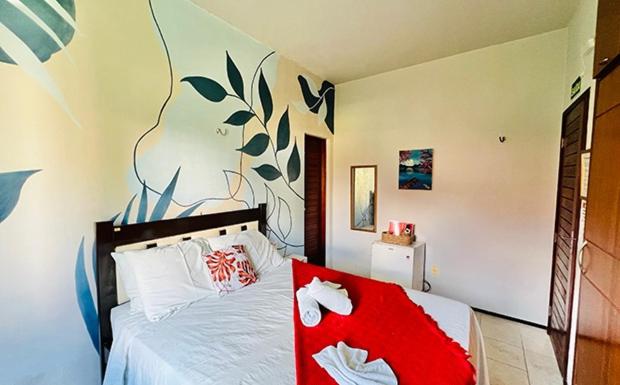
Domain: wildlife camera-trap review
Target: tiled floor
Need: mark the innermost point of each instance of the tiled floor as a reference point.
(518, 354)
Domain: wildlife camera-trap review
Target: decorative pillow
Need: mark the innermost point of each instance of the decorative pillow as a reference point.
(230, 268)
(261, 252)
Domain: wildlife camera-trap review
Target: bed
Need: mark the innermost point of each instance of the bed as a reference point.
(245, 337)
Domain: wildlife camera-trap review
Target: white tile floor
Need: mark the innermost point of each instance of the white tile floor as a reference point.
(518, 354)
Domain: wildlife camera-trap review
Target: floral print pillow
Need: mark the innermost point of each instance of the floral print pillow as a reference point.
(230, 269)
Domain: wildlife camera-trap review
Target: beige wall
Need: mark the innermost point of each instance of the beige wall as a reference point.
(488, 222)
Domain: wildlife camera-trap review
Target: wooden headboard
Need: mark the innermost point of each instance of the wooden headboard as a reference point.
(109, 237)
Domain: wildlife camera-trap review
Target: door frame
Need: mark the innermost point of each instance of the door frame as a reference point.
(563, 358)
(323, 211)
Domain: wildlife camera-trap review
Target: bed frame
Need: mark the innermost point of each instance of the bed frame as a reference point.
(109, 237)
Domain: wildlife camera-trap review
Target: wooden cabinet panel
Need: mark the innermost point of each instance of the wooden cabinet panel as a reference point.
(597, 267)
(608, 93)
(592, 352)
(607, 34)
(597, 350)
(614, 348)
(601, 269)
(603, 214)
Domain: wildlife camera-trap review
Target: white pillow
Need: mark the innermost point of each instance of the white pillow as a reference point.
(129, 280)
(164, 281)
(263, 254)
(193, 251)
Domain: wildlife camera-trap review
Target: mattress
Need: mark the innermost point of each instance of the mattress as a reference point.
(245, 337)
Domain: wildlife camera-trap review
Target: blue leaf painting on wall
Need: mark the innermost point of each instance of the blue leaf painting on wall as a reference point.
(85, 298)
(190, 210)
(11, 184)
(144, 203)
(83, 291)
(31, 31)
(125, 220)
(314, 102)
(44, 26)
(164, 200)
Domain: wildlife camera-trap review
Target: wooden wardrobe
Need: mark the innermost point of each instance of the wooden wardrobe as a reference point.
(597, 352)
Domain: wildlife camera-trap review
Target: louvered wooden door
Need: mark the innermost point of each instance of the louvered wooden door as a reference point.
(574, 126)
(315, 187)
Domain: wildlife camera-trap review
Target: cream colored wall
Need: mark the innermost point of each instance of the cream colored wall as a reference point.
(488, 222)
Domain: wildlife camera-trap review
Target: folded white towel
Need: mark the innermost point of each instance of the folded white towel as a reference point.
(347, 366)
(333, 299)
(309, 310)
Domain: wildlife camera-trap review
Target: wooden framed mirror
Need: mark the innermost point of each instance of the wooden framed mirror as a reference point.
(364, 198)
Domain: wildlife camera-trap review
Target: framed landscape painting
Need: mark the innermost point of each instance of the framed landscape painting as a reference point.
(415, 170)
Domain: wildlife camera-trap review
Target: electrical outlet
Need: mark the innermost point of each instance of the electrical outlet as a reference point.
(435, 270)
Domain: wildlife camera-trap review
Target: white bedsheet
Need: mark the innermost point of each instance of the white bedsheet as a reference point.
(245, 337)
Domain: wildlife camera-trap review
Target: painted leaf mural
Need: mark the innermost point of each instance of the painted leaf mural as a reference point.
(271, 138)
(243, 181)
(30, 32)
(165, 199)
(285, 220)
(293, 166)
(239, 118)
(189, 211)
(315, 99)
(284, 131)
(208, 88)
(256, 146)
(11, 184)
(125, 219)
(234, 76)
(265, 97)
(268, 172)
(270, 200)
(144, 204)
(45, 26)
(85, 298)
(312, 100)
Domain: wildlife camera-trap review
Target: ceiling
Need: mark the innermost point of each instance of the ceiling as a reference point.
(342, 40)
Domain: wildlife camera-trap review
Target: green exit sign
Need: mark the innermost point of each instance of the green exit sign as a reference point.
(575, 88)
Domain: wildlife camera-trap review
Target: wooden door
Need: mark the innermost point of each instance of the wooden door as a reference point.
(607, 35)
(315, 187)
(574, 128)
(597, 350)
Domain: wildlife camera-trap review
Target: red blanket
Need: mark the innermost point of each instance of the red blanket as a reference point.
(385, 323)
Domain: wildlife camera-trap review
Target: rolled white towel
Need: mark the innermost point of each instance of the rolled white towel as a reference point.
(309, 310)
(336, 300)
(334, 286)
